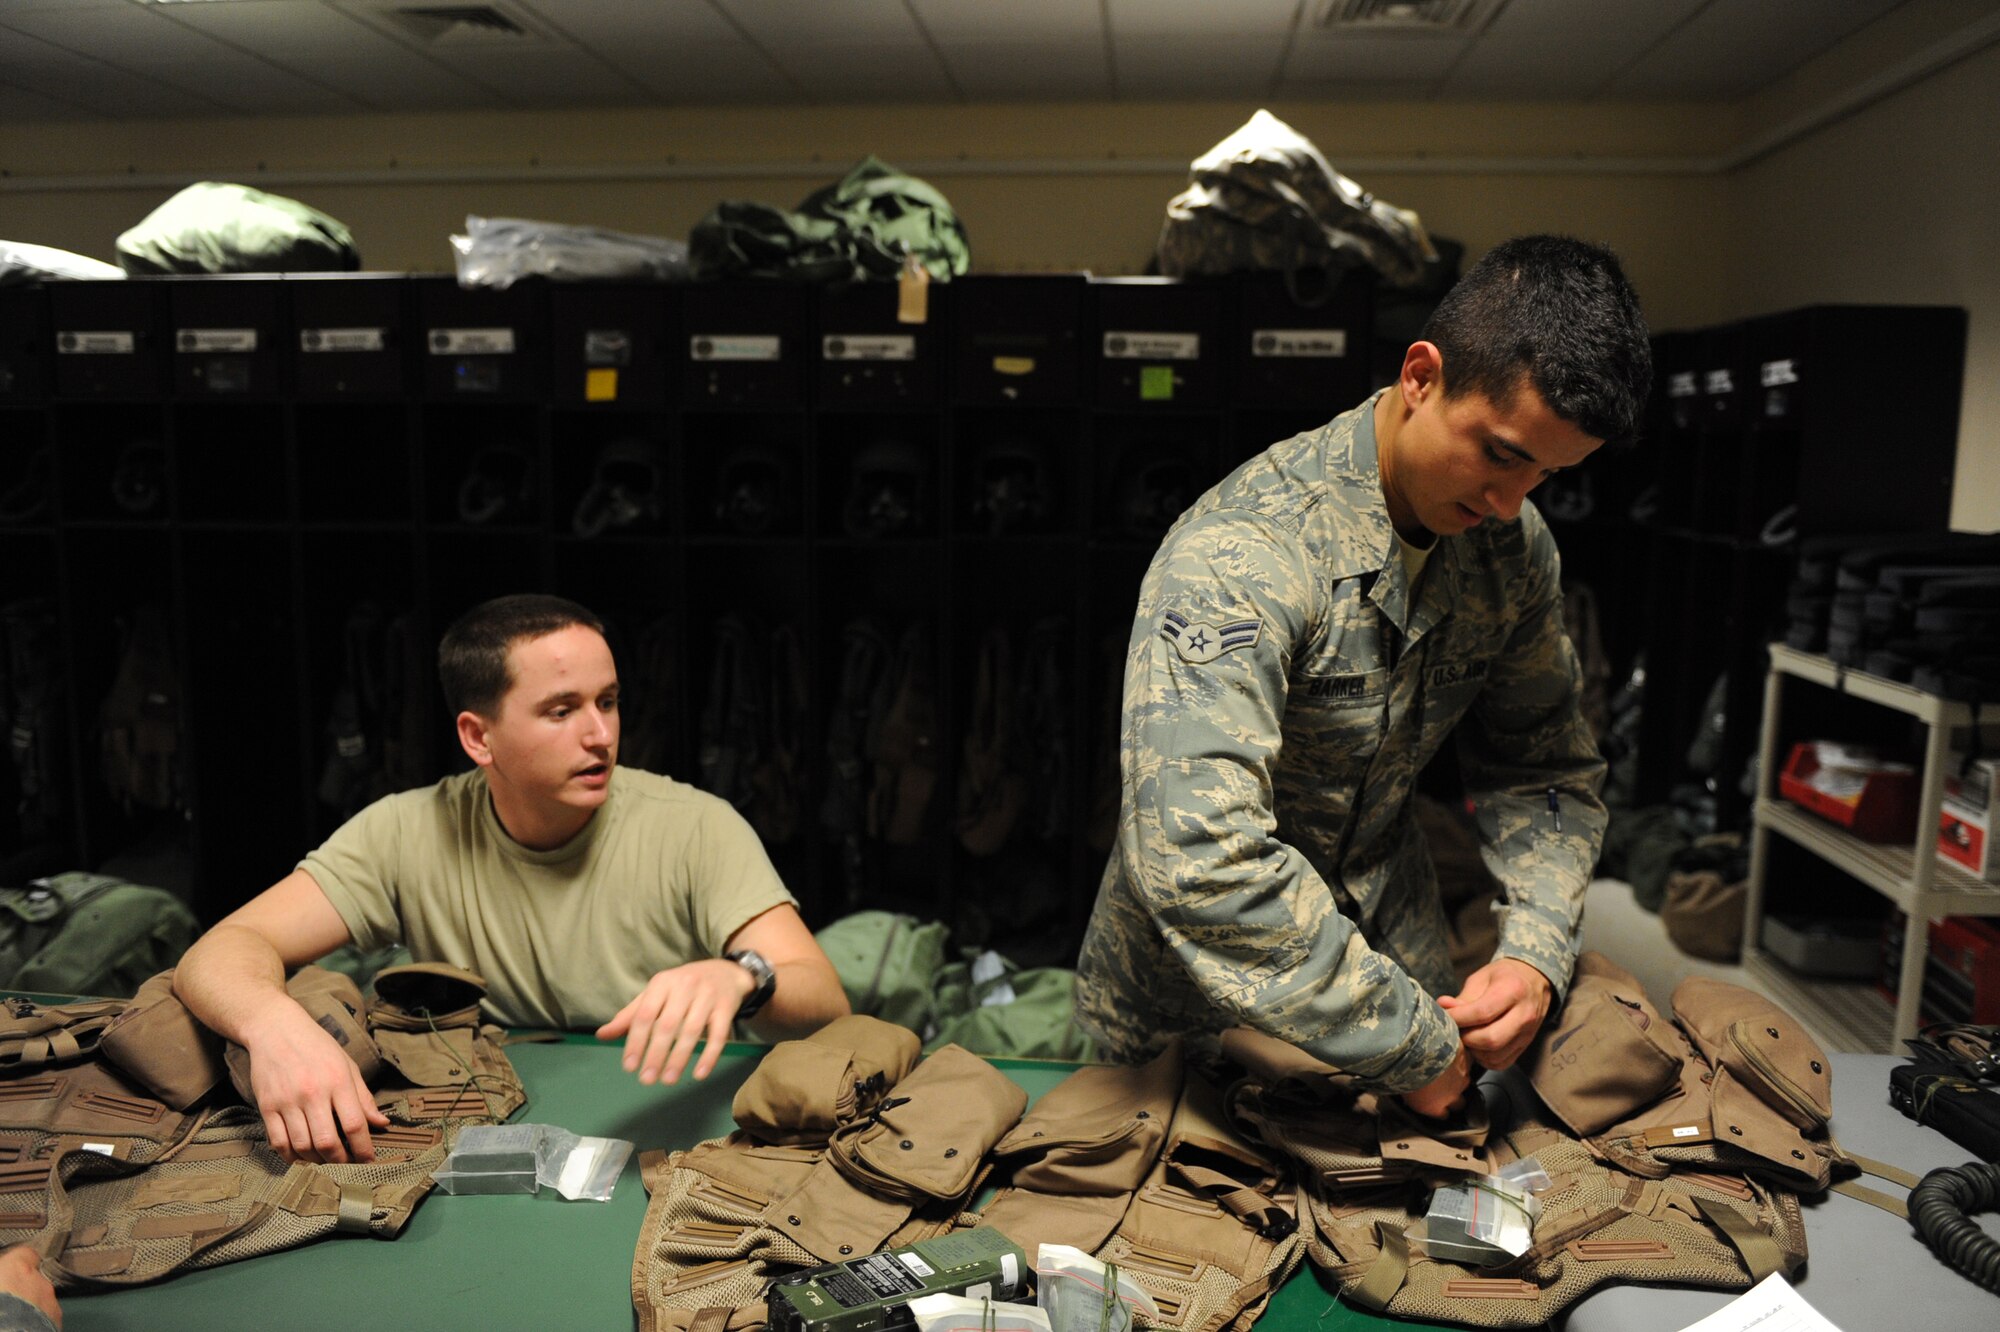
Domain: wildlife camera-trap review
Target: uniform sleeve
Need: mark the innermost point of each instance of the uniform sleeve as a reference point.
(731, 880)
(357, 870)
(1530, 764)
(18, 1315)
(1222, 611)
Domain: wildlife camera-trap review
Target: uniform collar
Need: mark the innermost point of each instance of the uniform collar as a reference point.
(1371, 550)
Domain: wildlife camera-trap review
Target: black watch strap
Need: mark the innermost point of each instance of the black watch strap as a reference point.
(761, 972)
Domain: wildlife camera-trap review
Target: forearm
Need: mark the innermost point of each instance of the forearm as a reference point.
(233, 980)
(808, 997)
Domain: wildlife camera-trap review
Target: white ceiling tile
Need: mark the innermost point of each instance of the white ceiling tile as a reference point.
(135, 34)
(1013, 22)
(337, 51)
(1025, 71)
(1158, 18)
(699, 73)
(873, 72)
(593, 22)
(1536, 69)
(543, 76)
(1734, 47)
(1634, 25)
(1340, 60)
(1217, 66)
(794, 23)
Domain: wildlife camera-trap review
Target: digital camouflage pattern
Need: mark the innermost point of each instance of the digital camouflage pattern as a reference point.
(1282, 692)
(1265, 200)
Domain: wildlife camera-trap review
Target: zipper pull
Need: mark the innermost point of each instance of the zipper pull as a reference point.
(1555, 809)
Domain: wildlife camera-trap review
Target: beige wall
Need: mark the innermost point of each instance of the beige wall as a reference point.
(1069, 218)
(1895, 205)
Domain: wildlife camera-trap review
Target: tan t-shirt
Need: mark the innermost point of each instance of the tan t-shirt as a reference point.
(663, 875)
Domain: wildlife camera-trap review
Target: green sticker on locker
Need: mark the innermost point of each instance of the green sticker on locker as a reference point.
(1156, 382)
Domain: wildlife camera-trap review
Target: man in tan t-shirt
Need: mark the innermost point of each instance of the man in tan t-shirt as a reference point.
(644, 908)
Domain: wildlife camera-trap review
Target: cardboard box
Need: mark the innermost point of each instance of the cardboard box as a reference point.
(1966, 818)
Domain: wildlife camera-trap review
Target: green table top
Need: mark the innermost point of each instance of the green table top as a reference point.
(498, 1263)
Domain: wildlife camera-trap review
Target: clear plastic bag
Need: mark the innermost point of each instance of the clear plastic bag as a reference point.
(498, 251)
(1083, 1294)
(21, 262)
(525, 1158)
(955, 1313)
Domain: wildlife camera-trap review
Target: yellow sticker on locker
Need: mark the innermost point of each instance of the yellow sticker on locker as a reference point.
(600, 385)
(1013, 365)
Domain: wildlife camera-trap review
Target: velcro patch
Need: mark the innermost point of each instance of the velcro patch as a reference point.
(1201, 642)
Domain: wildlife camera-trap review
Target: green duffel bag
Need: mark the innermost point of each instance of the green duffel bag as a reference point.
(213, 227)
(887, 963)
(990, 1008)
(89, 934)
(865, 226)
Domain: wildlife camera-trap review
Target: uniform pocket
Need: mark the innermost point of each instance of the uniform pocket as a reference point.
(1764, 1048)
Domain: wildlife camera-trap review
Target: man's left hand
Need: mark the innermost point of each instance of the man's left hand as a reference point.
(678, 1009)
(1499, 1010)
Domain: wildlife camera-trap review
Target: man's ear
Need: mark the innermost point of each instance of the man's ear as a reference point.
(1423, 373)
(472, 738)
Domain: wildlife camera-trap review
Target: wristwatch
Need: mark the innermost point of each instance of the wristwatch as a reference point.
(761, 972)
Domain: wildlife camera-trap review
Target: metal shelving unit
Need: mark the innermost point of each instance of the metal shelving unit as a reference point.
(1912, 877)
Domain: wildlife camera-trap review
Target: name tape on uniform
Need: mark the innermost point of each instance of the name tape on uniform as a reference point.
(735, 347)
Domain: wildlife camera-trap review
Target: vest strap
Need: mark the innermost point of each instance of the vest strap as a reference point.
(1759, 1251)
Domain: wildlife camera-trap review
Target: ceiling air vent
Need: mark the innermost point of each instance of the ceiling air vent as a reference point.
(1405, 17)
(455, 25)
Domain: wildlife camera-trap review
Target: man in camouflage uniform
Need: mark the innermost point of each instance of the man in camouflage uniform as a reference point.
(1309, 633)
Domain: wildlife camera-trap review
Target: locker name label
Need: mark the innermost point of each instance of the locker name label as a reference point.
(216, 340)
(1682, 385)
(96, 342)
(735, 346)
(1719, 381)
(868, 347)
(1123, 346)
(1299, 342)
(1774, 373)
(343, 339)
(472, 341)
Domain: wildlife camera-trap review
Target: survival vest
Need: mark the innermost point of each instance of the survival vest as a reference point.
(846, 1145)
(1676, 1151)
(124, 1157)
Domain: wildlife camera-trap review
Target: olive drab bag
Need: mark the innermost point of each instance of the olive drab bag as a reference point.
(126, 1154)
(1265, 200)
(89, 934)
(871, 223)
(213, 227)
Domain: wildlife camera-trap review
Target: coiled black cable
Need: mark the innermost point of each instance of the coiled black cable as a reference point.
(1938, 1209)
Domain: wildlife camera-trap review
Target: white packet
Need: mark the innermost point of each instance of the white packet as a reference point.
(585, 1168)
(955, 1313)
(1071, 1287)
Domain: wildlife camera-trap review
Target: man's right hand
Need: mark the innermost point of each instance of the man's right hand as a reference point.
(1443, 1093)
(316, 1106)
(21, 1274)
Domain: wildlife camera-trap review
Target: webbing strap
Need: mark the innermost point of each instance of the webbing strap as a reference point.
(1385, 1276)
(1760, 1252)
(1883, 1170)
(1888, 1202)
(357, 1209)
(715, 1318)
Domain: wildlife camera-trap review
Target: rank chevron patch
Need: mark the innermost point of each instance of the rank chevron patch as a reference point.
(1201, 642)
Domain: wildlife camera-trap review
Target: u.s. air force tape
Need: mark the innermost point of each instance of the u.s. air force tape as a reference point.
(1201, 642)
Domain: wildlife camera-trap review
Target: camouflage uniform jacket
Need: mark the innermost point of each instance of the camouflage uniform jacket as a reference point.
(1282, 692)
